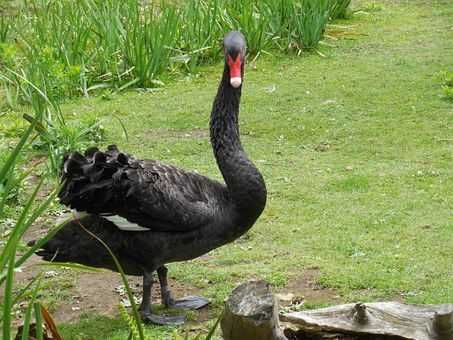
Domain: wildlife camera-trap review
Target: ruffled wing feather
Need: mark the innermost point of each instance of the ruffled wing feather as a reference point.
(148, 193)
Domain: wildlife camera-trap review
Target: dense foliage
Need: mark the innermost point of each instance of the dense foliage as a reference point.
(80, 46)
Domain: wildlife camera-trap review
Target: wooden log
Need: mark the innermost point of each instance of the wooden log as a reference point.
(251, 313)
(382, 319)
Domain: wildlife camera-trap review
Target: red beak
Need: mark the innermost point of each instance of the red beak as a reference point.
(235, 71)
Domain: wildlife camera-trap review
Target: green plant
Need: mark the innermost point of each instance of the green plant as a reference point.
(248, 17)
(28, 215)
(9, 55)
(339, 9)
(60, 138)
(309, 22)
(60, 80)
(59, 26)
(11, 182)
(448, 92)
(6, 23)
(88, 45)
(150, 33)
(132, 325)
(446, 78)
(200, 32)
(107, 20)
(279, 14)
(56, 136)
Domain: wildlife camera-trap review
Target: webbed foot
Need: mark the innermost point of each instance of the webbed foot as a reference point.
(188, 302)
(148, 317)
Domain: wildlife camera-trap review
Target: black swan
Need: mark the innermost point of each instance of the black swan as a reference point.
(151, 214)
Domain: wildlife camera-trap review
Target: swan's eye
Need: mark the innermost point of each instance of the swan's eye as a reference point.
(235, 71)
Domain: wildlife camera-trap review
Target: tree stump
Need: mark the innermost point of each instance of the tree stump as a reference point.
(251, 312)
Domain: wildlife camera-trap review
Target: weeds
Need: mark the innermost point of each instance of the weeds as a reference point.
(29, 213)
(448, 92)
(80, 46)
(248, 17)
(5, 27)
(62, 138)
(105, 63)
(339, 9)
(200, 33)
(279, 14)
(447, 84)
(309, 22)
(148, 39)
(56, 136)
(11, 183)
(60, 27)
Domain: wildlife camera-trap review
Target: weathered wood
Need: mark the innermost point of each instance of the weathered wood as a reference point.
(420, 322)
(251, 312)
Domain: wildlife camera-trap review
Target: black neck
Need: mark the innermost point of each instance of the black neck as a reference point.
(245, 183)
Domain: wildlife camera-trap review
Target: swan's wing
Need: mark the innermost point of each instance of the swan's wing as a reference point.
(165, 198)
(143, 194)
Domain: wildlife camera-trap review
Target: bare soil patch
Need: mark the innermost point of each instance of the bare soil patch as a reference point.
(305, 288)
(96, 292)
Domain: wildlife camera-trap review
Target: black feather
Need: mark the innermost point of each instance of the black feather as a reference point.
(149, 193)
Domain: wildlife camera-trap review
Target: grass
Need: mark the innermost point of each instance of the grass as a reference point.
(356, 151)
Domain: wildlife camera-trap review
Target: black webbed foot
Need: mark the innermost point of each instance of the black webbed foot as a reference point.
(150, 318)
(188, 302)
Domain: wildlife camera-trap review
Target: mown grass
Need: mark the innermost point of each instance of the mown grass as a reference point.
(356, 149)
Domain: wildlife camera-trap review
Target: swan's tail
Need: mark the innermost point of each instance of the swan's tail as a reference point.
(90, 181)
(74, 244)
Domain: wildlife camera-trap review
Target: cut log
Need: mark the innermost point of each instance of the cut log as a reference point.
(382, 319)
(251, 313)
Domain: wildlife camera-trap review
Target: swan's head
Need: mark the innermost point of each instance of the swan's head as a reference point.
(235, 47)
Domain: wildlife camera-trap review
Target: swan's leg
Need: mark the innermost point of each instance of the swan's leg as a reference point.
(145, 307)
(165, 292)
(188, 302)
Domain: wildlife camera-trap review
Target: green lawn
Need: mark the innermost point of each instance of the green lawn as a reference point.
(356, 149)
